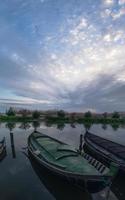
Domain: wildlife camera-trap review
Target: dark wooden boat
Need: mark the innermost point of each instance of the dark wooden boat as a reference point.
(2, 149)
(65, 162)
(105, 150)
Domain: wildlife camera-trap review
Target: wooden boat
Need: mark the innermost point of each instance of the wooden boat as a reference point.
(105, 150)
(2, 149)
(64, 161)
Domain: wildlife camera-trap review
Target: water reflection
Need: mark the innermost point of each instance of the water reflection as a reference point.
(87, 125)
(118, 187)
(60, 189)
(71, 134)
(104, 126)
(73, 125)
(25, 125)
(48, 123)
(11, 126)
(36, 125)
(12, 145)
(122, 125)
(115, 126)
(60, 126)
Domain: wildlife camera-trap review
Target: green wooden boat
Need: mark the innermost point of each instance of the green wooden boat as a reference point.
(65, 161)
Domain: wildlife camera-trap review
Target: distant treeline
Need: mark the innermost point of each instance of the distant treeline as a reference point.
(61, 115)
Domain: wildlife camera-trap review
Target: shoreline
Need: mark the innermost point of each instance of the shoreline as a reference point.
(63, 120)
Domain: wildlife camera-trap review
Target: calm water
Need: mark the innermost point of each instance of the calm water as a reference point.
(21, 178)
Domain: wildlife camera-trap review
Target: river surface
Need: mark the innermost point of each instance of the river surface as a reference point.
(21, 178)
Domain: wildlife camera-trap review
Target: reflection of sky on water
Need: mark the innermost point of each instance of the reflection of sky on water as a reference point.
(18, 177)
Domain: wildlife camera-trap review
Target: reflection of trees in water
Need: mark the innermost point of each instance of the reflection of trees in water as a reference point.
(87, 125)
(11, 126)
(60, 126)
(72, 125)
(48, 123)
(24, 125)
(36, 124)
(104, 126)
(122, 125)
(115, 126)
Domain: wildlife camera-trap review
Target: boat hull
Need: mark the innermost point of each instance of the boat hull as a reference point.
(2, 149)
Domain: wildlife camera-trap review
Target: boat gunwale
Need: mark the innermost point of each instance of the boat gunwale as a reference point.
(117, 144)
(43, 135)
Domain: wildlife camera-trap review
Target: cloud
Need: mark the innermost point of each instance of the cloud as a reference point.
(114, 36)
(106, 13)
(113, 12)
(121, 2)
(108, 2)
(117, 15)
(74, 61)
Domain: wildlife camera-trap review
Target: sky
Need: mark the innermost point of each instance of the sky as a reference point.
(59, 54)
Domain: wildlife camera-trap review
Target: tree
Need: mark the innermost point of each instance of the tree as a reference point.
(11, 112)
(24, 113)
(105, 115)
(73, 116)
(88, 114)
(61, 113)
(115, 115)
(36, 114)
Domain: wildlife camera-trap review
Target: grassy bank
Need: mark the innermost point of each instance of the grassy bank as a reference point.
(64, 120)
(15, 119)
(86, 120)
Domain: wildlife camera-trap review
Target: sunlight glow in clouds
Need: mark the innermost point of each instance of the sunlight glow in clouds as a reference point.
(74, 61)
(108, 2)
